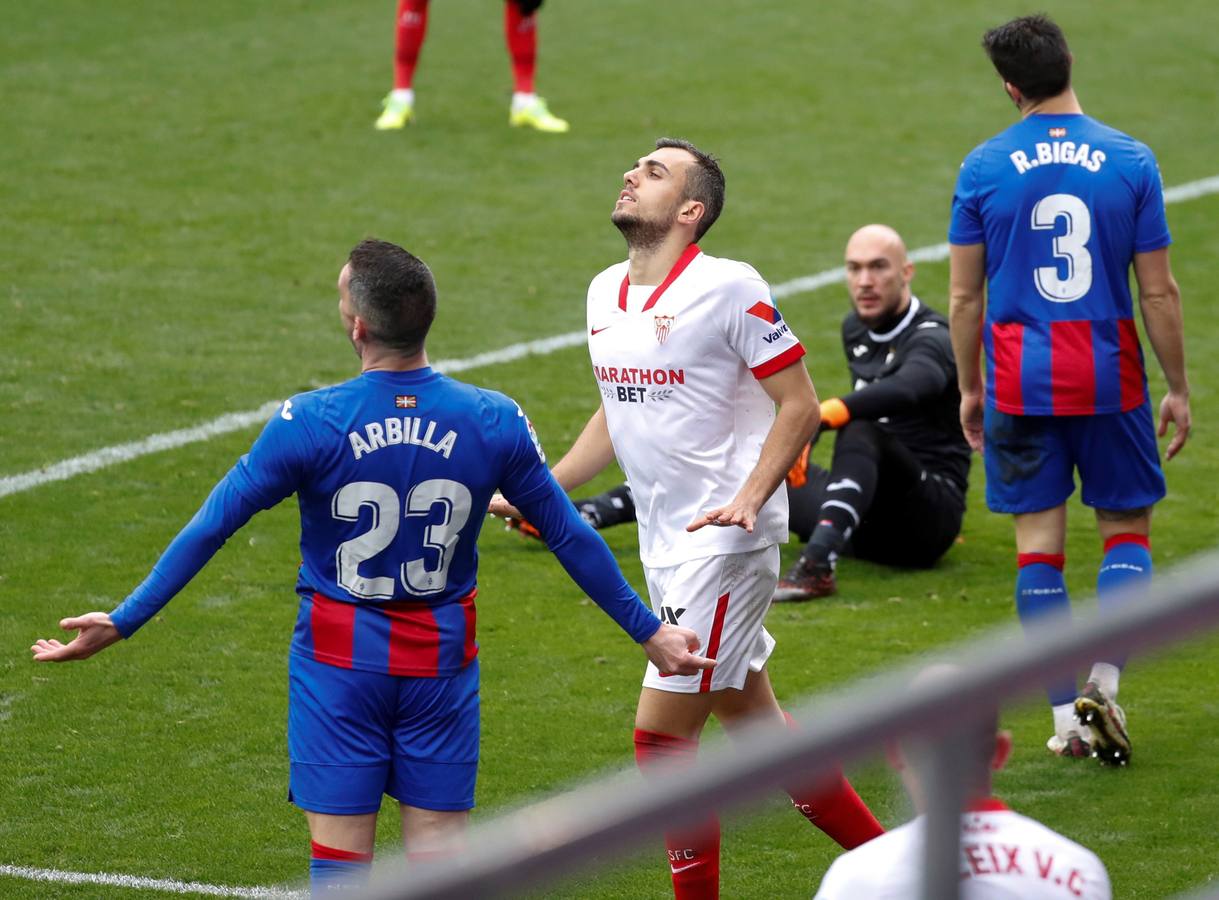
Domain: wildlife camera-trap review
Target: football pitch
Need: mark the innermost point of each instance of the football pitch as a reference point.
(179, 186)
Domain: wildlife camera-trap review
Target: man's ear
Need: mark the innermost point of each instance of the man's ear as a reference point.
(893, 755)
(691, 212)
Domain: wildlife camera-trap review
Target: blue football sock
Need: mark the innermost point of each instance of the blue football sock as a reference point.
(1041, 597)
(1127, 562)
(334, 872)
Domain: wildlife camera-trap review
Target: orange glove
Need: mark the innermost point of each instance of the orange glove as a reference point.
(797, 475)
(834, 413)
(523, 526)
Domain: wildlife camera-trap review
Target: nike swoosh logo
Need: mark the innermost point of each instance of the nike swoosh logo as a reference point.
(683, 868)
(599, 330)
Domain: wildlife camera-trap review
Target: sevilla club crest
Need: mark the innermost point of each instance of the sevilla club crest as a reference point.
(664, 325)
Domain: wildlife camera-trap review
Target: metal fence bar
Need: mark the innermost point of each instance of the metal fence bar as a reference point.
(942, 773)
(540, 842)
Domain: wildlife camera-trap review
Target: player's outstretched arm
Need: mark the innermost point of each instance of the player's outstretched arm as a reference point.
(1160, 302)
(794, 426)
(94, 632)
(586, 459)
(966, 304)
(671, 650)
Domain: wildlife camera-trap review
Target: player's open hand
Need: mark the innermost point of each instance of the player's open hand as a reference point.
(502, 508)
(1174, 408)
(971, 420)
(736, 513)
(94, 630)
(671, 650)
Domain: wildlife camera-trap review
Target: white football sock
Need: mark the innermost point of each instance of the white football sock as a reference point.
(1105, 676)
(1064, 719)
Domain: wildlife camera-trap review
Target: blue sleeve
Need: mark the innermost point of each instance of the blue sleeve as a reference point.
(262, 478)
(965, 226)
(1151, 223)
(528, 485)
(225, 510)
(276, 463)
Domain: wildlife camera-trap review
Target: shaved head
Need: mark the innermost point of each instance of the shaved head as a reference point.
(878, 275)
(878, 237)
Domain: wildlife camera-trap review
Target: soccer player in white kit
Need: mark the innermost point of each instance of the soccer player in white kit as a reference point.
(691, 356)
(1003, 855)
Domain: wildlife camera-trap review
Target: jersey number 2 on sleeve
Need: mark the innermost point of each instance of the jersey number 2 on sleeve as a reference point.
(1068, 247)
(454, 499)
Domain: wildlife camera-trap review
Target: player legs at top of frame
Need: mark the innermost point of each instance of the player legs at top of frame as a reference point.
(527, 109)
(895, 491)
(383, 670)
(690, 352)
(1057, 208)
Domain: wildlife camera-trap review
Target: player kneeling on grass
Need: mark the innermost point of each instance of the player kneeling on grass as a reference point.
(392, 471)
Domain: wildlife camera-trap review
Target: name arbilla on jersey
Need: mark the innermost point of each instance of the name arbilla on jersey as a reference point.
(631, 385)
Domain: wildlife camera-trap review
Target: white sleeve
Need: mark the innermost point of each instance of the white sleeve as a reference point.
(836, 885)
(755, 328)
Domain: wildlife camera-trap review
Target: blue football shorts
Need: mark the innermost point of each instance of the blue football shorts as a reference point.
(1031, 460)
(353, 736)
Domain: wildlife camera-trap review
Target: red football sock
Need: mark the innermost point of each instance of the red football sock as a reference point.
(521, 35)
(694, 852)
(833, 806)
(411, 30)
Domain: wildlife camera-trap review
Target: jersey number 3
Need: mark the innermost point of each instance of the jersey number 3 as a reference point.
(452, 497)
(1068, 247)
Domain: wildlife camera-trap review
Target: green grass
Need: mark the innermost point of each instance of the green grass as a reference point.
(180, 186)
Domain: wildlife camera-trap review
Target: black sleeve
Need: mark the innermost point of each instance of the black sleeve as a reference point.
(924, 373)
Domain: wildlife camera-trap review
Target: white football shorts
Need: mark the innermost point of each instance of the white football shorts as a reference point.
(724, 600)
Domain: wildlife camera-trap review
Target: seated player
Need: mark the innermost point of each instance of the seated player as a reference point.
(528, 110)
(895, 491)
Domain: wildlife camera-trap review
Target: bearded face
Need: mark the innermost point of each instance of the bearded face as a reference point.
(644, 229)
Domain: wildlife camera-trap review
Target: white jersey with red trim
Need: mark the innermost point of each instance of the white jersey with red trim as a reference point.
(678, 366)
(1004, 856)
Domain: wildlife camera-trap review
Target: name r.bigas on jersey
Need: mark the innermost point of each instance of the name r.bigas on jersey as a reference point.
(1061, 152)
(404, 430)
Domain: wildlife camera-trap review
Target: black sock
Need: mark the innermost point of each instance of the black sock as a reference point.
(827, 541)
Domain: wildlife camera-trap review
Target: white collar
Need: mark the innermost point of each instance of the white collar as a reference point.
(900, 326)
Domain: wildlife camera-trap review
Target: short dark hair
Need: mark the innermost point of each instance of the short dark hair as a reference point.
(1031, 53)
(704, 182)
(393, 292)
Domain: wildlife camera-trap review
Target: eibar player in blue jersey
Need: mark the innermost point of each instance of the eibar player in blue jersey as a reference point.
(1047, 219)
(392, 471)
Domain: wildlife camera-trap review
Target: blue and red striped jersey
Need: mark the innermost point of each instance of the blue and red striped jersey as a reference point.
(1062, 203)
(393, 472)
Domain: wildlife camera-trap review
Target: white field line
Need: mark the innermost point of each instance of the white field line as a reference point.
(166, 885)
(120, 453)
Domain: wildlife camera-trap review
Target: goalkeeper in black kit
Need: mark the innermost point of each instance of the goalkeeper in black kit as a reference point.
(895, 490)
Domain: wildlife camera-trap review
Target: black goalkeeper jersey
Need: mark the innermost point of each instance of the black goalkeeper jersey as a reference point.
(905, 379)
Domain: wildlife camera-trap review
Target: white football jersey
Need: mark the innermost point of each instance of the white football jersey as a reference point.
(1004, 856)
(678, 366)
